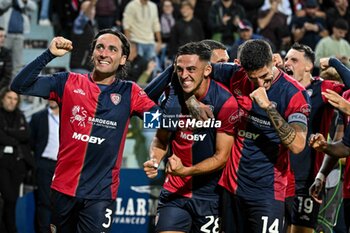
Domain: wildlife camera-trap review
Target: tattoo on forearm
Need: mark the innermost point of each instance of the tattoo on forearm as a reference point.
(193, 106)
(284, 130)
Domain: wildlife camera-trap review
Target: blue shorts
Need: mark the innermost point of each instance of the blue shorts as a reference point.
(177, 213)
(253, 216)
(71, 214)
(305, 211)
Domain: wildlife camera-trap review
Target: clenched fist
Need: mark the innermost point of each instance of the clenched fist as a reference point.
(59, 46)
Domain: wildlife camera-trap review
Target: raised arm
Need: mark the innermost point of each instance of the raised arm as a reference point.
(334, 149)
(292, 135)
(343, 71)
(224, 72)
(28, 80)
(157, 86)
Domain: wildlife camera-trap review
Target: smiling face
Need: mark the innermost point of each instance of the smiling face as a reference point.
(262, 77)
(107, 55)
(191, 72)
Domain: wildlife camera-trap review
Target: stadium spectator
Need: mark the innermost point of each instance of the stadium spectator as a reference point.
(14, 155)
(309, 29)
(106, 14)
(246, 33)
(186, 29)
(273, 24)
(16, 23)
(45, 10)
(223, 19)
(140, 70)
(340, 10)
(141, 25)
(45, 140)
(84, 31)
(251, 8)
(64, 12)
(5, 61)
(335, 44)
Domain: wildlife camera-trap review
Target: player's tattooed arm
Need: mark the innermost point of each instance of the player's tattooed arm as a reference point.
(197, 109)
(292, 135)
(284, 130)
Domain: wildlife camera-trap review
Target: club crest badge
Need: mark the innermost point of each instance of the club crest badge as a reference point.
(115, 98)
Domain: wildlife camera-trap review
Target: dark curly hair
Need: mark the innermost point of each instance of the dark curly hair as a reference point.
(255, 54)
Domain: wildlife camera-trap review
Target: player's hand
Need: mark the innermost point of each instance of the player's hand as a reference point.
(198, 110)
(59, 46)
(151, 168)
(337, 101)
(315, 190)
(277, 60)
(324, 63)
(318, 142)
(175, 167)
(260, 97)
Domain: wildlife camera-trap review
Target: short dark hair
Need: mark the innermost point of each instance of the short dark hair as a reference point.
(122, 70)
(308, 52)
(213, 44)
(341, 24)
(197, 48)
(255, 54)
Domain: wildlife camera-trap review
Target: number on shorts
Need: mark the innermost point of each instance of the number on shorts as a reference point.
(206, 227)
(273, 228)
(108, 215)
(305, 204)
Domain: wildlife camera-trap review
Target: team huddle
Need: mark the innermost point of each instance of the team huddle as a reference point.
(262, 169)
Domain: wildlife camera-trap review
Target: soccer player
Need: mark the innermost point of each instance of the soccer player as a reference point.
(338, 149)
(299, 62)
(334, 150)
(273, 122)
(189, 201)
(156, 87)
(95, 109)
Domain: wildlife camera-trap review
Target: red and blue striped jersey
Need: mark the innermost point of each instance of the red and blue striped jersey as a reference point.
(193, 145)
(257, 168)
(93, 126)
(307, 163)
